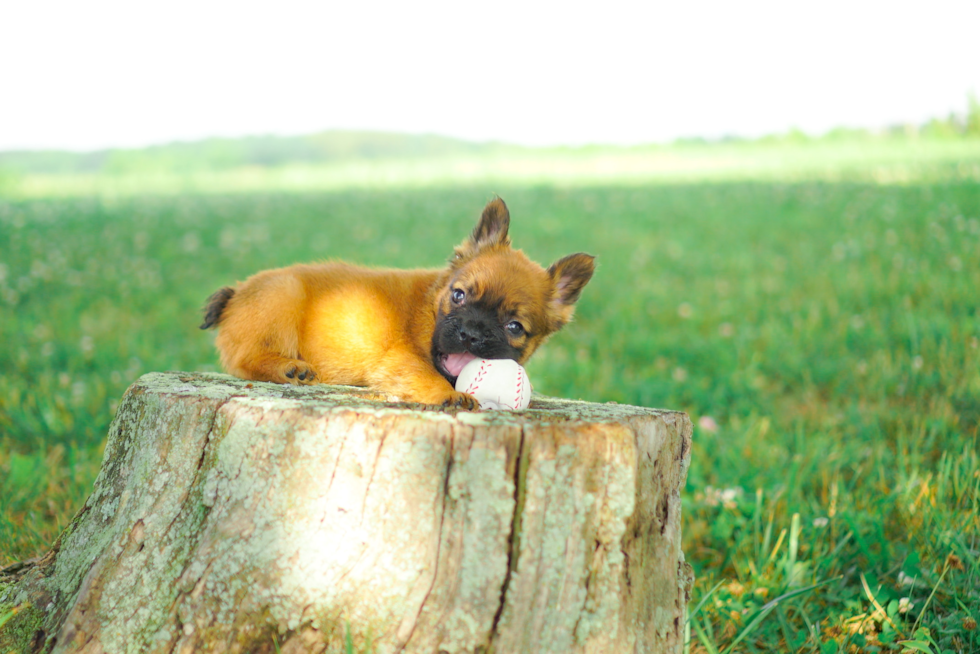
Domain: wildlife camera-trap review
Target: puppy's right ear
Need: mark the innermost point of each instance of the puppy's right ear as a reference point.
(489, 232)
(493, 225)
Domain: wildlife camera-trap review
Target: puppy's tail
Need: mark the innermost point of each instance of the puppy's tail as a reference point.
(216, 306)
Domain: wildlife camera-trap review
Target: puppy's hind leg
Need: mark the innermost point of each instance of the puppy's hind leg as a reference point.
(259, 334)
(274, 367)
(264, 359)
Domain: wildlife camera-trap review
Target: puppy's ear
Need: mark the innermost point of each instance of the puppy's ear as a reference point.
(569, 275)
(493, 225)
(490, 231)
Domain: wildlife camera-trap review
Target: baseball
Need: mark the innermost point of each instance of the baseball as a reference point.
(498, 384)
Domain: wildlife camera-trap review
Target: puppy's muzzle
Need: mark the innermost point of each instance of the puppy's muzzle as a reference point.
(474, 334)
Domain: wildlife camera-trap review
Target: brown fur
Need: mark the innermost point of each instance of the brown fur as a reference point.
(340, 323)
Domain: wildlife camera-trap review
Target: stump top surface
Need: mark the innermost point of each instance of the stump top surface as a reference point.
(324, 396)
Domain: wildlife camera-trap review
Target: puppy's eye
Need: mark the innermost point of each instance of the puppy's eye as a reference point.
(515, 328)
(458, 296)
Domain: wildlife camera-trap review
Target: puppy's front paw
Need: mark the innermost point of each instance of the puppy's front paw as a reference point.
(462, 400)
(298, 372)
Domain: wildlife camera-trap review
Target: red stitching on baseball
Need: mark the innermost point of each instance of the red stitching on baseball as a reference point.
(475, 384)
(520, 382)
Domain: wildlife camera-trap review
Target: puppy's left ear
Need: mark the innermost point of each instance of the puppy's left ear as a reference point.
(569, 275)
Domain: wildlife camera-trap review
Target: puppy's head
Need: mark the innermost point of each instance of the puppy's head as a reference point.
(498, 304)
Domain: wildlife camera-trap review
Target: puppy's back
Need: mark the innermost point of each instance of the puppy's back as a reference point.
(335, 319)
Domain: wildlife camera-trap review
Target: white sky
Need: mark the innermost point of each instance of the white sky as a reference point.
(88, 74)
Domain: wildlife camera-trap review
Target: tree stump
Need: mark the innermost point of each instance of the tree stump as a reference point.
(232, 516)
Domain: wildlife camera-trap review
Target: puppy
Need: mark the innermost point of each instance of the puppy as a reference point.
(406, 333)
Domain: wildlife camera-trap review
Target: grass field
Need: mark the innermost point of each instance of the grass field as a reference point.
(819, 321)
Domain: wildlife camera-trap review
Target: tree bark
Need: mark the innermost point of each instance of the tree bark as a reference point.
(232, 516)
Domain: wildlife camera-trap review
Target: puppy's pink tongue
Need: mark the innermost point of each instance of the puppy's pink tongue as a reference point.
(456, 362)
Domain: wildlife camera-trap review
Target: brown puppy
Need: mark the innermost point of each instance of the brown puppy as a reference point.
(404, 332)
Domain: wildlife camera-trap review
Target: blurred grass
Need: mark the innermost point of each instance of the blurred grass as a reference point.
(820, 326)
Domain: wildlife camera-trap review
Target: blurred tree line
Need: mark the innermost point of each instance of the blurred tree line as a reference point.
(260, 151)
(338, 146)
(956, 125)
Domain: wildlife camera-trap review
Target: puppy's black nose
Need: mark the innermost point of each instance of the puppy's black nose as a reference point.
(473, 333)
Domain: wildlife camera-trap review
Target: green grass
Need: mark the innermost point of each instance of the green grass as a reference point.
(823, 331)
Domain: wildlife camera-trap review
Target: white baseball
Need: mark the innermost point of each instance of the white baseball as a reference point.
(496, 384)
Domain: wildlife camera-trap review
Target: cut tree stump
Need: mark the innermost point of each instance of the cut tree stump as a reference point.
(249, 517)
